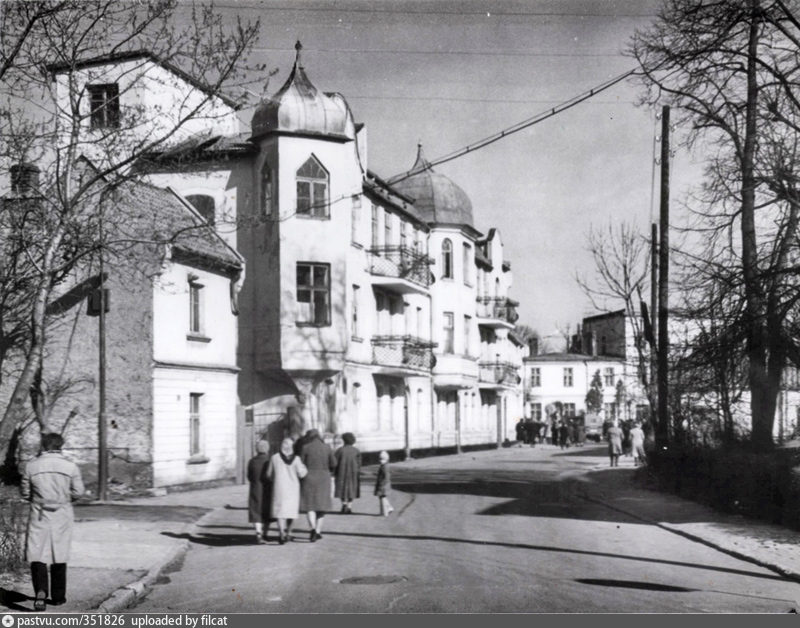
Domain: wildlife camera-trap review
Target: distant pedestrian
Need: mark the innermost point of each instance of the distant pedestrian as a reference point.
(285, 472)
(614, 437)
(51, 483)
(315, 490)
(563, 435)
(521, 433)
(383, 484)
(530, 433)
(348, 471)
(637, 444)
(554, 432)
(259, 498)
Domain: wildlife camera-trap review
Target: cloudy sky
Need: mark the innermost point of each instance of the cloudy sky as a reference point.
(448, 73)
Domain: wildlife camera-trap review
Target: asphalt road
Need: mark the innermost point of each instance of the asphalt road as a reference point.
(516, 530)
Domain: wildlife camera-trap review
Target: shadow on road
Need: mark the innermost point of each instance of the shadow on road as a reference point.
(11, 600)
(633, 584)
(561, 550)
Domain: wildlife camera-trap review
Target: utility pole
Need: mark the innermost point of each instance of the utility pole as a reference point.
(662, 429)
(102, 428)
(653, 314)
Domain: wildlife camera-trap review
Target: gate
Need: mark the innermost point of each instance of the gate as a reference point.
(253, 427)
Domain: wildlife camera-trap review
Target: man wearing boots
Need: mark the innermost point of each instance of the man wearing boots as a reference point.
(50, 482)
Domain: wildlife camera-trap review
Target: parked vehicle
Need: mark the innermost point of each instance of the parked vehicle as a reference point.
(594, 426)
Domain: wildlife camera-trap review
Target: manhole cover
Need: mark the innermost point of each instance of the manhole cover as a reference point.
(372, 580)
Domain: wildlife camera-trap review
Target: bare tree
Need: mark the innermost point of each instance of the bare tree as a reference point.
(730, 68)
(68, 156)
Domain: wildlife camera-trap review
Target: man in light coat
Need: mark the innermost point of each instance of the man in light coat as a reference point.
(50, 482)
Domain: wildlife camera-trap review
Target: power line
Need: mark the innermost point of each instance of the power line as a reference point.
(482, 53)
(375, 11)
(568, 104)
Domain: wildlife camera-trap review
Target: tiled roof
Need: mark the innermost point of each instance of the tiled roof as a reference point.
(146, 213)
(202, 147)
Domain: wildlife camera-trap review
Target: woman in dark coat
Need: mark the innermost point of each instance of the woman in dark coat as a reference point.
(348, 468)
(259, 497)
(315, 490)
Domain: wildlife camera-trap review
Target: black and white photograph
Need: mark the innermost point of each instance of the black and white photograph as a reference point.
(377, 307)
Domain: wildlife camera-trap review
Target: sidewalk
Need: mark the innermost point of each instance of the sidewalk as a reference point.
(120, 549)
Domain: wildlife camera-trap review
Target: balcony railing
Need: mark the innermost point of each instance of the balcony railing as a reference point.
(499, 308)
(401, 262)
(402, 351)
(498, 373)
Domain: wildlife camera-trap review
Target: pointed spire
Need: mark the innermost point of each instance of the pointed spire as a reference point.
(297, 61)
(421, 163)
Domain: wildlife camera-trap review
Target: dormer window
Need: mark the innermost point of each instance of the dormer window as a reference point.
(312, 189)
(104, 105)
(204, 205)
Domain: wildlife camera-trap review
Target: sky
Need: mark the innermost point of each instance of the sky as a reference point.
(448, 73)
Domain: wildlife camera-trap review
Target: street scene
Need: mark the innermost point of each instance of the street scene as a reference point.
(514, 530)
(399, 306)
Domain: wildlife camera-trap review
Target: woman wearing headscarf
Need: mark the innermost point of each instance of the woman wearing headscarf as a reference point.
(258, 502)
(285, 470)
(315, 491)
(348, 468)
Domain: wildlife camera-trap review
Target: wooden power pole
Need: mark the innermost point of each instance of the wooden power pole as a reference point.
(662, 429)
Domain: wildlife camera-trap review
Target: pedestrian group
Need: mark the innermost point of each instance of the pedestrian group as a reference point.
(304, 476)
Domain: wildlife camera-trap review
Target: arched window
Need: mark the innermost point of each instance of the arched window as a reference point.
(204, 204)
(312, 189)
(447, 259)
(267, 189)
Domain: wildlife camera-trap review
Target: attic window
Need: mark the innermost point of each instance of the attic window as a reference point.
(24, 179)
(204, 205)
(104, 105)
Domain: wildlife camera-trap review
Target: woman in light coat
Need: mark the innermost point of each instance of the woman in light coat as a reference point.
(285, 471)
(614, 438)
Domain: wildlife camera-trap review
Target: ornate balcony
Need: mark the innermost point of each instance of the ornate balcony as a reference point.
(400, 353)
(498, 373)
(400, 268)
(497, 311)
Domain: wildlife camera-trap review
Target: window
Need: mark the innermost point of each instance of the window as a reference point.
(374, 226)
(467, 262)
(312, 189)
(313, 294)
(354, 318)
(387, 228)
(195, 440)
(24, 179)
(420, 324)
(568, 377)
(195, 306)
(420, 244)
(536, 377)
(204, 205)
(403, 235)
(536, 411)
(569, 409)
(608, 375)
(104, 105)
(467, 334)
(447, 259)
(354, 218)
(448, 332)
(267, 191)
(610, 410)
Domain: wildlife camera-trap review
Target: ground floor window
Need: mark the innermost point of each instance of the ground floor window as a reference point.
(195, 441)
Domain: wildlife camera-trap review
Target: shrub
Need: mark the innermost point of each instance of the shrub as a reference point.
(13, 521)
(732, 479)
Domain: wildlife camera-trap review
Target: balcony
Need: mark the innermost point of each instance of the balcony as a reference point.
(499, 374)
(400, 268)
(497, 312)
(400, 355)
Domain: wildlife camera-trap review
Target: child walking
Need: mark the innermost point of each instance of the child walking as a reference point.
(383, 484)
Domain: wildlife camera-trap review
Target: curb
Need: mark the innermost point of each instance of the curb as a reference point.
(126, 596)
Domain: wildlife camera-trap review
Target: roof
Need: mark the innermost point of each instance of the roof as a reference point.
(481, 259)
(381, 191)
(130, 55)
(598, 317)
(202, 147)
(299, 108)
(158, 215)
(436, 197)
(570, 357)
